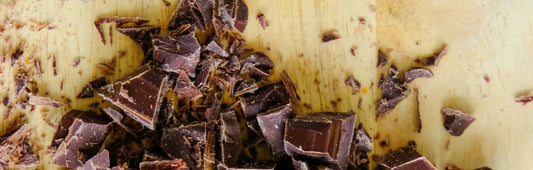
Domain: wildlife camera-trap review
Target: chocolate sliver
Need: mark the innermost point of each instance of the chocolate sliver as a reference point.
(185, 88)
(415, 73)
(99, 161)
(456, 121)
(330, 36)
(141, 35)
(259, 60)
(216, 47)
(42, 101)
(67, 120)
(382, 58)
(88, 90)
(210, 152)
(262, 21)
(362, 140)
(236, 48)
(205, 75)
(185, 142)
(139, 94)
(524, 99)
(117, 118)
(394, 91)
(404, 159)
(247, 86)
(352, 83)
(324, 138)
(175, 164)
(120, 23)
(230, 137)
(253, 72)
(434, 59)
(205, 7)
(272, 125)
(289, 85)
(177, 53)
(233, 64)
(266, 97)
(234, 14)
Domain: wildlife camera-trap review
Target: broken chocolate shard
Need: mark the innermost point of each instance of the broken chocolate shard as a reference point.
(382, 58)
(524, 99)
(82, 138)
(185, 88)
(247, 86)
(362, 140)
(99, 161)
(20, 81)
(42, 101)
(233, 14)
(352, 83)
(205, 7)
(174, 164)
(15, 56)
(266, 97)
(121, 22)
(205, 75)
(257, 65)
(289, 85)
(272, 125)
(16, 147)
(394, 91)
(456, 121)
(323, 138)
(299, 165)
(216, 47)
(330, 36)
(139, 94)
(230, 138)
(141, 35)
(415, 73)
(262, 21)
(88, 90)
(31, 159)
(183, 15)
(174, 59)
(361, 145)
(405, 159)
(186, 142)
(434, 59)
(117, 118)
(236, 47)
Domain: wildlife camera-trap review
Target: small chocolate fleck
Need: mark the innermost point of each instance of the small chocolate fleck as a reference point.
(487, 79)
(362, 20)
(434, 59)
(330, 35)
(354, 84)
(76, 62)
(417, 116)
(411, 144)
(5, 101)
(61, 85)
(383, 143)
(262, 21)
(16, 56)
(37, 64)
(483, 168)
(524, 99)
(382, 58)
(166, 3)
(352, 50)
(54, 65)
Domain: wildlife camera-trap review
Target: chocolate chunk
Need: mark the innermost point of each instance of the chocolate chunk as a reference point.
(382, 58)
(139, 94)
(82, 138)
(354, 84)
(247, 86)
(362, 140)
(67, 120)
(175, 164)
(184, 15)
(99, 161)
(300, 165)
(262, 21)
(230, 138)
(232, 64)
(216, 47)
(186, 142)
(212, 113)
(323, 138)
(434, 59)
(330, 36)
(415, 73)
(291, 89)
(20, 81)
(260, 61)
(236, 47)
(205, 8)
(205, 75)
(42, 101)
(456, 121)
(417, 116)
(233, 14)
(524, 99)
(16, 56)
(394, 91)
(121, 22)
(177, 53)
(88, 90)
(272, 124)
(185, 88)
(141, 35)
(266, 97)
(404, 158)
(15, 148)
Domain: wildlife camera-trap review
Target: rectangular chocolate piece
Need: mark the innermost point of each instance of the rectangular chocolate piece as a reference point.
(405, 158)
(139, 94)
(323, 138)
(187, 143)
(174, 54)
(266, 97)
(230, 138)
(272, 125)
(456, 121)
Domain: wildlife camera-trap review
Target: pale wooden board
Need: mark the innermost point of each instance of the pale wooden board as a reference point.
(490, 38)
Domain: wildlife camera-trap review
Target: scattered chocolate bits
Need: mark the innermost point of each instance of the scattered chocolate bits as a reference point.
(405, 158)
(456, 121)
(15, 56)
(330, 36)
(415, 73)
(354, 84)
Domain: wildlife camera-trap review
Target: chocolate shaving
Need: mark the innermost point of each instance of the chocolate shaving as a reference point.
(42, 101)
(291, 89)
(121, 22)
(230, 137)
(415, 73)
(405, 158)
(5, 101)
(417, 116)
(434, 59)
(330, 36)
(456, 121)
(354, 84)
(20, 81)
(247, 86)
(38, 68)
(17, 148)
(88, 90)
(524, 99)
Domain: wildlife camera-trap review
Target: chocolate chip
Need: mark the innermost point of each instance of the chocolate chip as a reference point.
(456, 121)
(330, 36)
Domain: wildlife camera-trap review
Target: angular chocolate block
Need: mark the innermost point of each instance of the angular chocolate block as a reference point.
(139, 94)
(230, 138)
(247, 86)
(266, 97)
(233, 14)
(216, 47)
(272, 124)
(175, 164)
(394, 91)
(174, 54)
(186, 142)
(415, 73)
(405, 159)
(185, 88)
(456, 121)
(323, 138)
(99, 161)
(67, 120)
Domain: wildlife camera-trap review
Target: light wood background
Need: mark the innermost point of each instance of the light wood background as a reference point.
(490, 39)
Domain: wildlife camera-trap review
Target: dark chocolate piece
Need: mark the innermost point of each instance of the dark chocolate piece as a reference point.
(117, 118)
(524, 99)
(233, 14)
(323, 138)
(289, 85)
(15, 148)
(415, 73)
(456, 121)
(257, 65)
(141, 35)
(99, 161)
(120, 22)
(174, 164)
(139, 94)
(42, 101)
(434, 59)
(230, 138)
(216, 47)
(20, 81)
(184, 15)
(300, 165)
(262, 21)
(361, 145)
(354, 84)
(38, 67)
(232, 64)
(82, 138)
(382, 58)
(31, 159)
(88, 90)
(186, 142)
(67, 120)
(266, 97)
(209, 151)
(16, 56)
(5, 101)
(236, 47)
(405, 159)
(272, 124)
(205, 75)
(205, 7)
(330, 36)
(177, 53)
(394, 91)
(185, 88)
(247, 86)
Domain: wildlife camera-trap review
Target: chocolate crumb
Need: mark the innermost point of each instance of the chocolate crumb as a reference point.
(291, 89)
(262, 21)
(415, 73)
(166, 3)
(434, 59)
(383, 143)
(382, 58)
(76, 62)
(54, 65)
(524, 99)
(352, 50)
(354, 84)
(61, 85)
(16, 56)
(5, 101)
(487, 79)
(330, 35)
(362, 20)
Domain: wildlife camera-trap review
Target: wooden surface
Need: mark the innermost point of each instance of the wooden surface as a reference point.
(484, 39)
